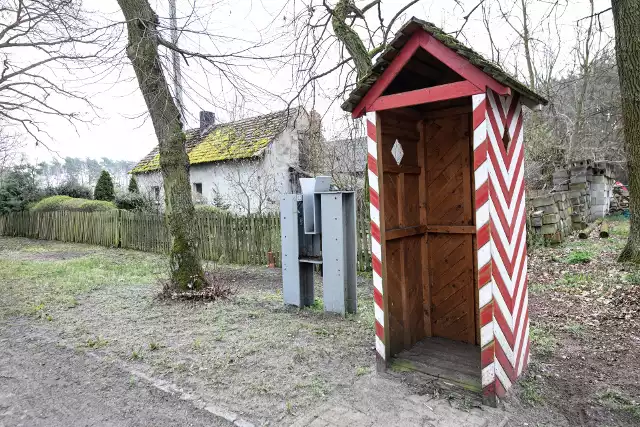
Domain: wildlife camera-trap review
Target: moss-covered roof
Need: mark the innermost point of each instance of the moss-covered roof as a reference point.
(404, 34)
(228, 141)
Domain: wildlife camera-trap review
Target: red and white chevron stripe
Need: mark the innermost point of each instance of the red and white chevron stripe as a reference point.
(376, 247)
(501, 243)
(502, 256)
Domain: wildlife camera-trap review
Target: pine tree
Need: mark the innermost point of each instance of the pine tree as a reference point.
(104, 188)
(218, 200)
(133, 185)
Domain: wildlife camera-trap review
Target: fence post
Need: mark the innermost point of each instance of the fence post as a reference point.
(118, 226)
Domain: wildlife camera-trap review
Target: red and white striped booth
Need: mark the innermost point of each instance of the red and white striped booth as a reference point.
(446, 186)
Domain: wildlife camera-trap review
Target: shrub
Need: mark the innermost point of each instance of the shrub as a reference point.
(71, 189)
(49, 204)
(19, 189)
(104, 188)
(66, 203)
(211, 209)
(133, 185)
(95, 206)
(133, 201)
(578, 257)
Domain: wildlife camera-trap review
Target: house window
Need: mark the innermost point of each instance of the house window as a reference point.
(197, 187)
(156, 193)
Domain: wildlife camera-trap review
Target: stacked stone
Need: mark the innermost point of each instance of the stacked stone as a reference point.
(601, 189)
(581, 193)
(551, 217)
(561, 180)
(581, 173)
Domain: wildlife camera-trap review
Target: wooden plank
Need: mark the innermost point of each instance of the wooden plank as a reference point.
(452, 288)
(451, 355)
(402, 220)
(424, 255)
(412, 304)
(451, 229)
(444, 359)
(400, 233)
(391, 217)
(412, 200)
(446, 112)
(424, 96)
(407, 169)
(476, 292)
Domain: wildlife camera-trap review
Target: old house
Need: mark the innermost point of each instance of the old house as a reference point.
(242, 165)
(345, 161)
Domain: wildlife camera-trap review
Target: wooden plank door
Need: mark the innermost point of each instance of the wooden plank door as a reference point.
(450, 291)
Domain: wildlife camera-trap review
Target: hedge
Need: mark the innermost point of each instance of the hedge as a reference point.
(66, 203)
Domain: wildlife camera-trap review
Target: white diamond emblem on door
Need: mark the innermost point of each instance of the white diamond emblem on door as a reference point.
(397, 152)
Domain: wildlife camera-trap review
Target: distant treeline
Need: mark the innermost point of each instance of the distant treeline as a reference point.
(84, 172)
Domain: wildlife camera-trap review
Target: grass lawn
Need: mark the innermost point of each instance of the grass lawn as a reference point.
(248, 352)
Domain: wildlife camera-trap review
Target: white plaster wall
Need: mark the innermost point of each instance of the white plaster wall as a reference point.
(146, 182)
(263, 177)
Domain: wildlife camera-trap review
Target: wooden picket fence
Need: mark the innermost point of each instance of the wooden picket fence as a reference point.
(221, 237)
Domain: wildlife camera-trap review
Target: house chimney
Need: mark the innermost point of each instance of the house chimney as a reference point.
(207, 119)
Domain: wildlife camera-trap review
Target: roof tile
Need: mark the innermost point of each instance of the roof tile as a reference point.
(228, 141)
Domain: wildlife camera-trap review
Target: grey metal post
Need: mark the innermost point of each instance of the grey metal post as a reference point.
(339, 252)
(297, 278)
(311, 186)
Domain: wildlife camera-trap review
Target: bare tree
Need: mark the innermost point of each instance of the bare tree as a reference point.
(344, 158)
(143, 51)
(523, 32)
(41, 43)
(253, 188)
(584, 52)
(340, 40)
(10, 146)
(149, 51)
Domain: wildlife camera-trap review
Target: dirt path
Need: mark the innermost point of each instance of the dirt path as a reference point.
(42, 384)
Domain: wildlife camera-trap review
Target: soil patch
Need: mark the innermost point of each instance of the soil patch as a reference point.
(585, 330)
(50, 256)
(42, 384)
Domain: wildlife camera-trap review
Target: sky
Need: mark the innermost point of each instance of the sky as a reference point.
(119, 128)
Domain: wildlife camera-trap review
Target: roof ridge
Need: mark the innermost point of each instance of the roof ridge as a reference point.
(274, 113)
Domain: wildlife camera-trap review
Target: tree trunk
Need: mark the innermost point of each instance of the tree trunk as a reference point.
(585, 69)
(626, 15)
(184, 263)
(349, 38)
(526, 41)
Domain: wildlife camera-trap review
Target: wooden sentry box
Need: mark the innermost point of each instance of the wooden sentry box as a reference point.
(446, 178)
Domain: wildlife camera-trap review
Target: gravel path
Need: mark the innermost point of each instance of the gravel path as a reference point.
(42, 384)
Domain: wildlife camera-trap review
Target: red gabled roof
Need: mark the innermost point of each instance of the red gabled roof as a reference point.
(418, 34)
